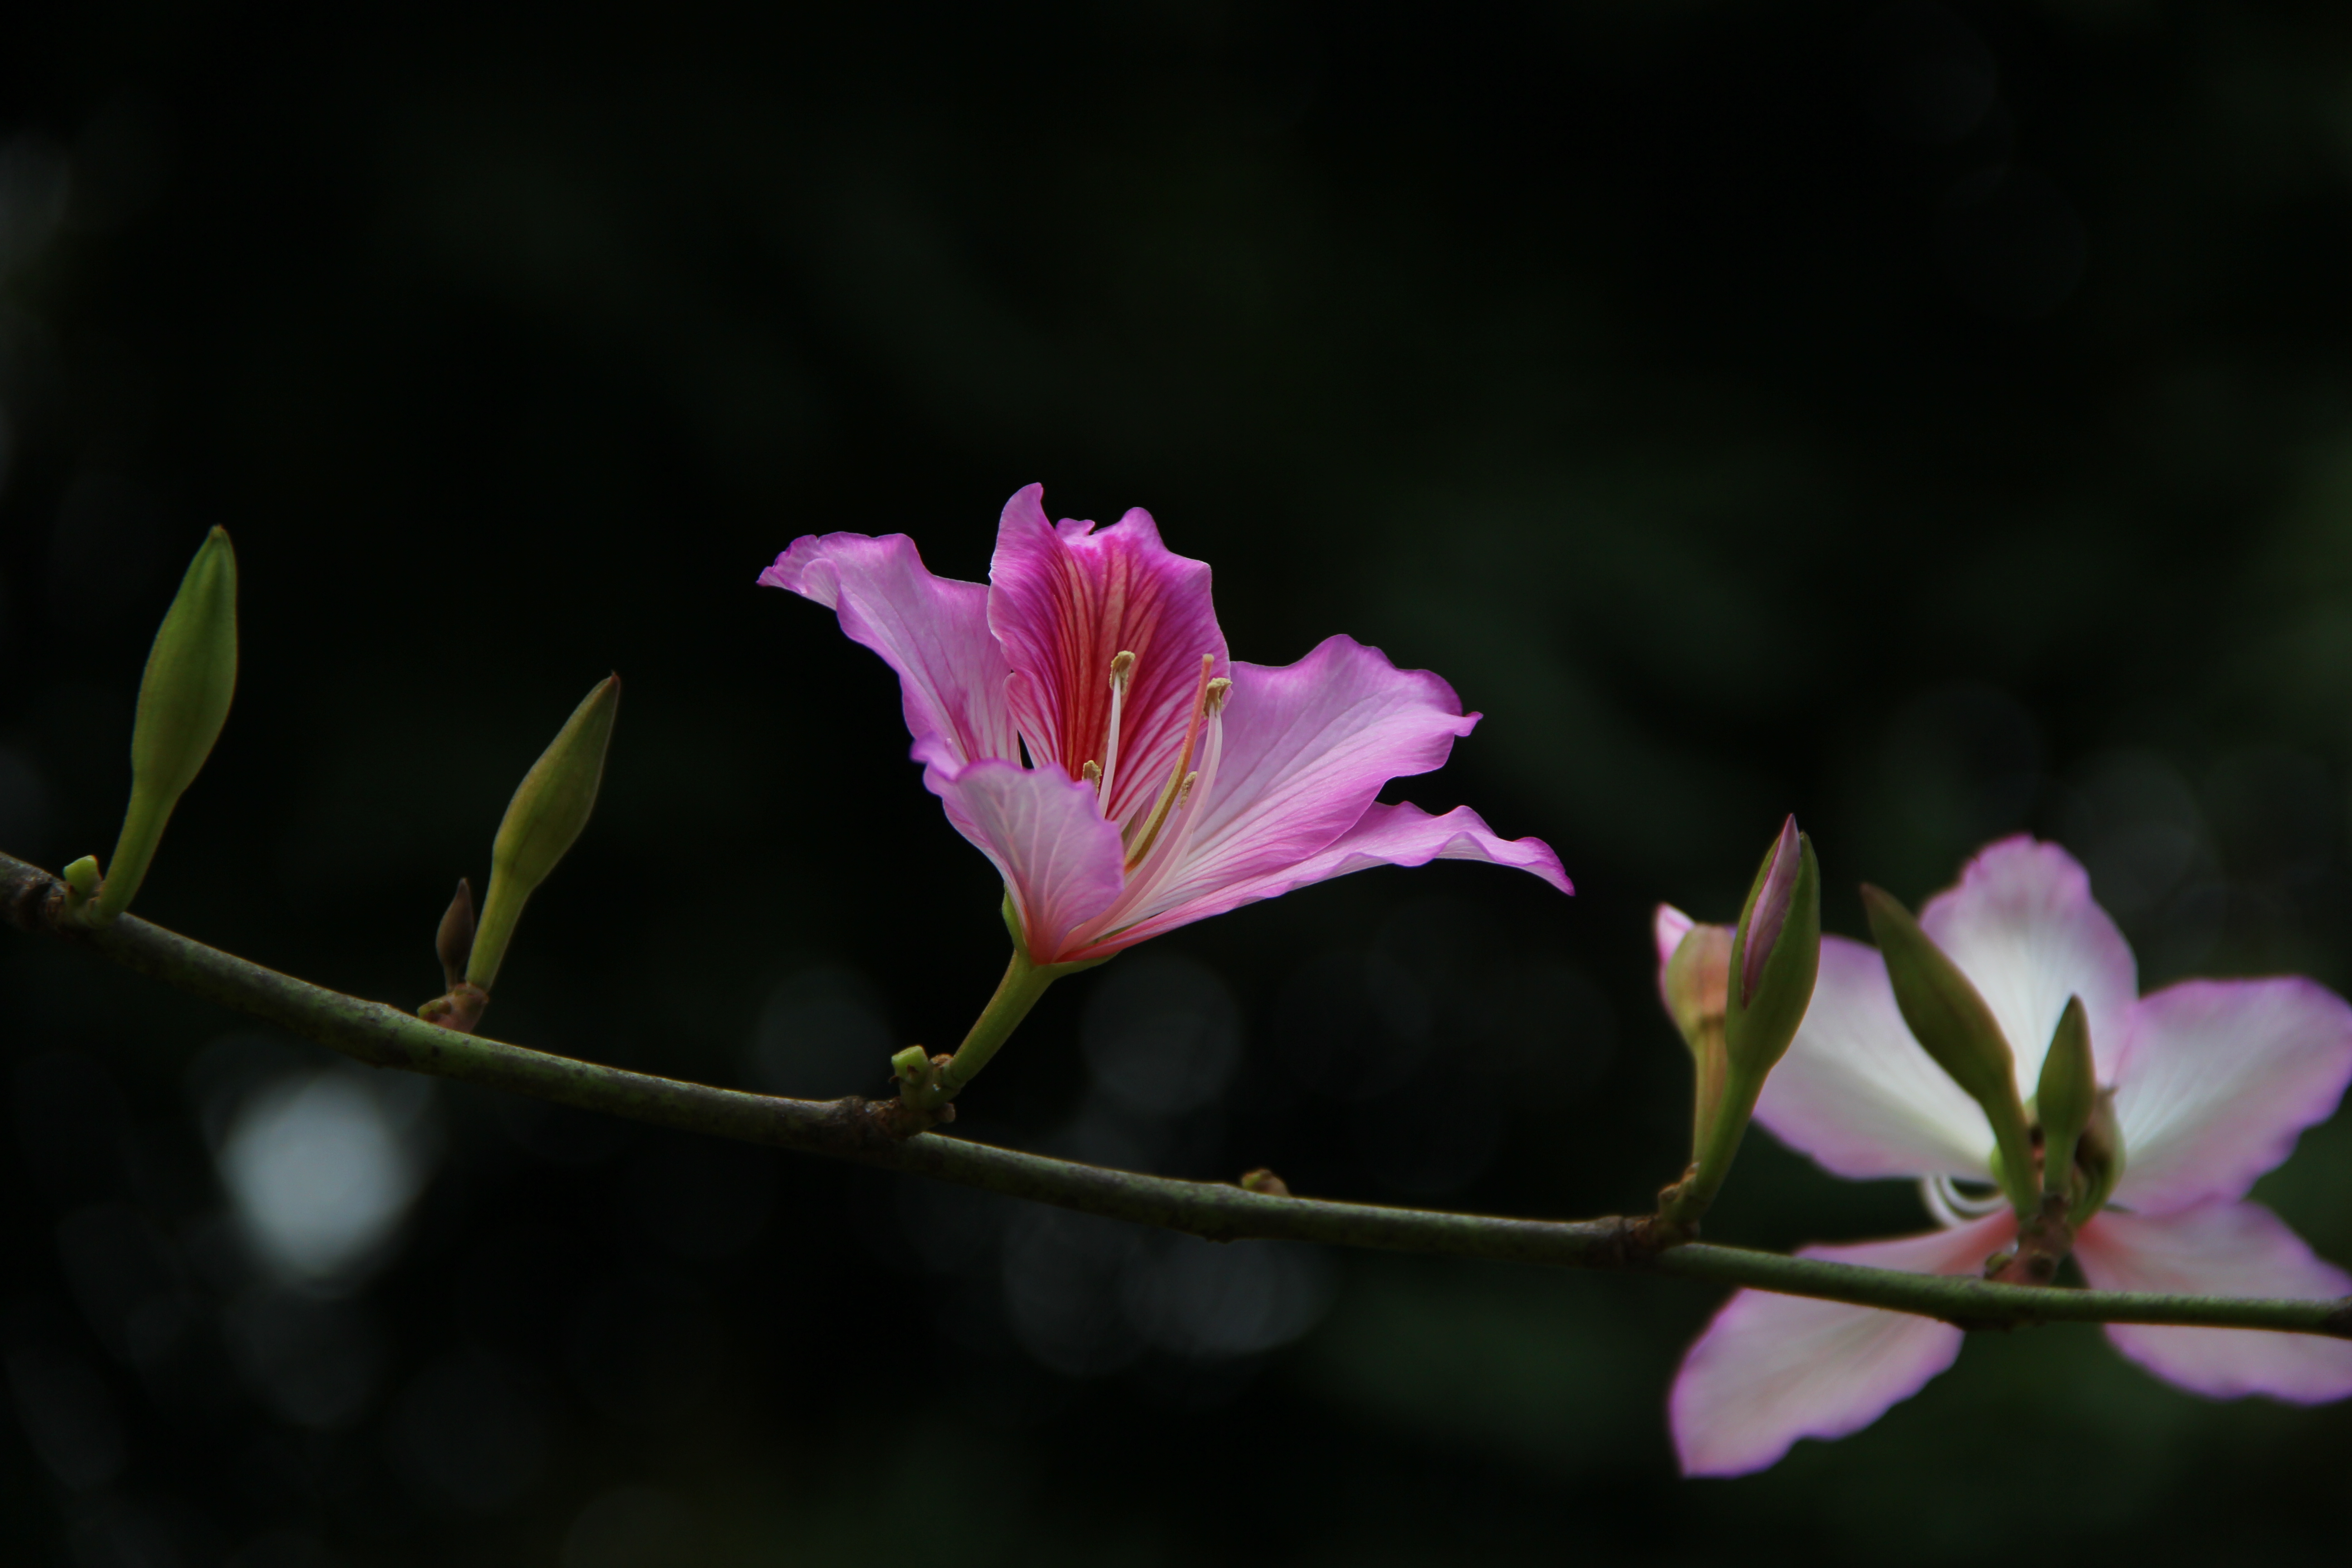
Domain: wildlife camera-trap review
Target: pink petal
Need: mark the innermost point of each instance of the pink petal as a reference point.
(933, 630)
(2219, 1249)
(1857, 1093)
(1400, 835)
(2216, 1079)
(1061, 860)
(1307, 748)
(2023, 927)
(1772, 1369)
(1063, 603)
(1667, 929)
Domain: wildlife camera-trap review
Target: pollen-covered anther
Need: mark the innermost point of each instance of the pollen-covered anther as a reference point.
(1122, 670)
(1219, 689)
(1092, 773)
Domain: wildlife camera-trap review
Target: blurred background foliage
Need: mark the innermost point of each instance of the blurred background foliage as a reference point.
(1935, 420)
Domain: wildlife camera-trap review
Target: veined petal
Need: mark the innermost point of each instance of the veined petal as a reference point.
(1400, 834)
(2023, 927)
(1771, 1369)
(1064, 601)
(1857, 1093)
(1307, 748)
(933, 630)
(2219, 1249)
(2218, 1078)
(1062, 861)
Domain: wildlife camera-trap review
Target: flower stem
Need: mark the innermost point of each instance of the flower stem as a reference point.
(1723, 1125)
(1018, 992)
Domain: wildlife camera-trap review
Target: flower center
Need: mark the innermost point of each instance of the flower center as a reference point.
(1142, 832)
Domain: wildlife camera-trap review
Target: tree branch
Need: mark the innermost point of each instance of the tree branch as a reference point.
(860, 1131)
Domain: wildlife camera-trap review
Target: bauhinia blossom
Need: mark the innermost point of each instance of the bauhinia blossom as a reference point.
(1079, 718)
(2213, 1081)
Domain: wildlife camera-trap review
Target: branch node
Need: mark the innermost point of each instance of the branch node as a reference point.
(460, 1008)
(33, 899)
(1263, 1182)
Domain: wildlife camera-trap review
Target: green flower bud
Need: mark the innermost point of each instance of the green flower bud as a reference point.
(2068, 1096)
(1737, 1003)
(1697, 982)
(1697, 986)
(184, 700)
(549, 809)
(1951, 1022)
(1776, 953)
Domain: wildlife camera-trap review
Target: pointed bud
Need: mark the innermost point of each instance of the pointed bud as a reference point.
(184, 700)
(455, 941)
(1776, 952)
(1768, 908)
(549, 809)
(1952, 1024)
(2068, 1096)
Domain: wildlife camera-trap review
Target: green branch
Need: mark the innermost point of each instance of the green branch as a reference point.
(862, 1130)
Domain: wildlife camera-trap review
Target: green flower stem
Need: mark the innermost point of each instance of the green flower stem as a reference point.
(859, 1131)
(1711, 1161)
(1023, 982)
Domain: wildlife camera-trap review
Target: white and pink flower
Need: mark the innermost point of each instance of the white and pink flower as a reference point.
(2213, 1080)
(1079, 716)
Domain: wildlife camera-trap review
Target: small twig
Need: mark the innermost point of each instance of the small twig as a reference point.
(864, 1132)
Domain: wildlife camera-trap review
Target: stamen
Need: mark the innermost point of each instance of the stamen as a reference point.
(1092, 772)
(1144, 831)
(1122, 667)
(1219, 689)
(1954, 1208)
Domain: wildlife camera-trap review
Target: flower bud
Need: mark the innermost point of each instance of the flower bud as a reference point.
(1776, 953)
(1694, 972)
(453, 941)
(184, 700)
(2068, 1095)
(544, 818)
(1952, 1024)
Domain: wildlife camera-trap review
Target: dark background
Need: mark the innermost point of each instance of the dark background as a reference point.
(1936, 422)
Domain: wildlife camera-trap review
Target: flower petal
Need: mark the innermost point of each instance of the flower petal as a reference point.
(2023, 927)
(1771, 1369)
(2217, 1078)
(1063, 603)
(1400, 834)
(1857, 1093)
(1061, 860)
(933, 630)
(1307, 748)
(2219, 1249)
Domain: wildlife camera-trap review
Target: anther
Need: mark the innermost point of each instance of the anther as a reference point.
(1122, 666)
(1218, 690)
(1092, 772)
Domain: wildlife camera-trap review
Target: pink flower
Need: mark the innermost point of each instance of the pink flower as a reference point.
(1079, 718)
(2212, 1082)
